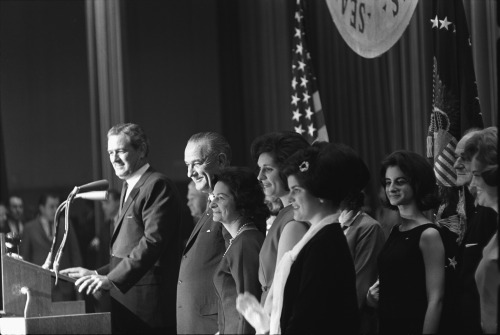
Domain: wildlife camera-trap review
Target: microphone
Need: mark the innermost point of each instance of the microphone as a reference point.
(99, 185)
(93, 195)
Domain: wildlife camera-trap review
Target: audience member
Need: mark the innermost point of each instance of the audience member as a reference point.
(482, 149)
(314, 290)
(411, 263)
(4, 225)
(38, 237)
(16, 215)
(270, 151)
(197, 302)
(238, 205)
(145, 246)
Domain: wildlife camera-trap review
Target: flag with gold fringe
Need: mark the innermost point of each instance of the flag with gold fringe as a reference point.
(307, 114)
(455, 105)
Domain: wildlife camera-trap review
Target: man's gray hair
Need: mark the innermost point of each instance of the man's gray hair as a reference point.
(217, 144)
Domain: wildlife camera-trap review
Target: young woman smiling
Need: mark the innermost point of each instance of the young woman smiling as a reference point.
(270, 151)
(412, 261)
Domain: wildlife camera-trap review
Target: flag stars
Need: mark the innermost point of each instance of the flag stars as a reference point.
(298, 16)
(445, 23)
(302, 65)
(303, 82)
(299, 48)
(435, 22)
(296, 115)
(309, 113)
(294, 83)
(295, 99)
(297, 32)
(306, 97)
(311, 130)
(299, 129)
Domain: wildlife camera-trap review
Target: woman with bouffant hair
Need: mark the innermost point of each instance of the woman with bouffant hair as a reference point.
(412, 261)
(314, 289)
(239, 206)
(482, 149)
(270, 152)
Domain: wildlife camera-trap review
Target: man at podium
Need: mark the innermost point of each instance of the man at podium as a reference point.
(145, 245)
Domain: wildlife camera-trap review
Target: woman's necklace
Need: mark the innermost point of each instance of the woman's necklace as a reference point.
(235, 236)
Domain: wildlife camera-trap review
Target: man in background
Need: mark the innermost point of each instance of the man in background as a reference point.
(197, 201)
(480, 227)
(16, 215)
(37, 240)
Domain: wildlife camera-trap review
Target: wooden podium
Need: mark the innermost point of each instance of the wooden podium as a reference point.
(43, 316)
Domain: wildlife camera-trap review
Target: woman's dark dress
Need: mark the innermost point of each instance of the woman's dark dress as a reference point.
(403, 294)
(320, 292)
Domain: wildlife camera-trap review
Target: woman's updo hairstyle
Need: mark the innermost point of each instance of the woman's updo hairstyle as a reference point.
(329, 171)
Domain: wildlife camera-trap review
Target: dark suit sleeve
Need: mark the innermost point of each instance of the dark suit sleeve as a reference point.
(156, 205)
(368, 245)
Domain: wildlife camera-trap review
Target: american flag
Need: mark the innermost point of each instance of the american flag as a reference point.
(307, 114)
(455, 105)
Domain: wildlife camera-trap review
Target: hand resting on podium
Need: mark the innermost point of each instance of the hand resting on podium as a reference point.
(88, 279)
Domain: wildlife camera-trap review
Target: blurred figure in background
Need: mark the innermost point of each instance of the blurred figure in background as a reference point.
(197, 201)
(4, 227)
(37, 239)
(100, 243)
(16, 215)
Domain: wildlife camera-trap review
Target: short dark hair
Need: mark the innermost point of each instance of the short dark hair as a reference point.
(136, 134)
(42, 200)
(420, 175)
(247, 193)
(330, 171)
(216, 142)
(280, 145)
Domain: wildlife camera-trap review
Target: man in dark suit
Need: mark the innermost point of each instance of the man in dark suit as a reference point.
(145, 245)
(205, 155)
(16, 215)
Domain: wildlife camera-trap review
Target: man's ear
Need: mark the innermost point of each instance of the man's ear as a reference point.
(222, 160)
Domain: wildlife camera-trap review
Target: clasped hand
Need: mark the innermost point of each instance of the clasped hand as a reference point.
(87, 279)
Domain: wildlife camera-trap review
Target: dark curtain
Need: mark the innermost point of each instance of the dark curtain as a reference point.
(374, 105)
(4, 191)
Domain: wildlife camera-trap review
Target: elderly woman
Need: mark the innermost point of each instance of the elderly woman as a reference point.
(314, 286)
(270, 151)
(239, 206)
(482, 148)
(411, 263)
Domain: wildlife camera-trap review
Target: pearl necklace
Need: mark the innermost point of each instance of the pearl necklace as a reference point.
(235, 236)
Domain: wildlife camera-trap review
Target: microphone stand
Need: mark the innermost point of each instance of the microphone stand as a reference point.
(65, 205)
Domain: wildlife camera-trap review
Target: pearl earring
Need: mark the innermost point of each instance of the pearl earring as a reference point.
(321, 200)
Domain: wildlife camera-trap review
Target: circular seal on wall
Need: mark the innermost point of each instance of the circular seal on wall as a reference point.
(371, 27)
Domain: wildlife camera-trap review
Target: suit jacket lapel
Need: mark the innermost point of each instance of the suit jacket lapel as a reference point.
(131, 197)
(206, 216)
